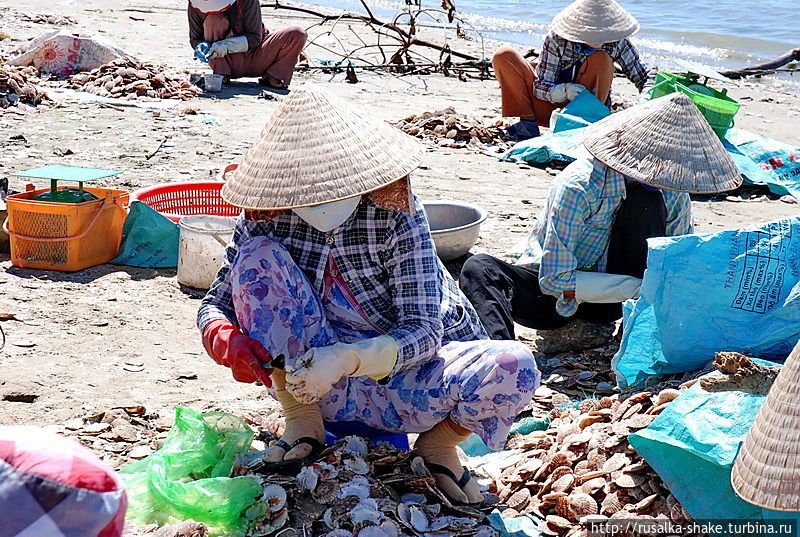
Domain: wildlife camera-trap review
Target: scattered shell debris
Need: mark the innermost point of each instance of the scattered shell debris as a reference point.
(359, 489)
(450, 129)
(132, 79)
(583, 466)
(20, 84)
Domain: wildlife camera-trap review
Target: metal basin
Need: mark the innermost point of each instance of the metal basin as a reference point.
(454, 226)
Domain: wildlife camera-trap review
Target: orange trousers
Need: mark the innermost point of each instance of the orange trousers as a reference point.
(517, 75)
(275, 56)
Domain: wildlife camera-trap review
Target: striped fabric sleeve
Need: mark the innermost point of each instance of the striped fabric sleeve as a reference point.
(218, 304)
(548, 69)
(631, 64)
(567, 211)
(679, 213)
(416, 290)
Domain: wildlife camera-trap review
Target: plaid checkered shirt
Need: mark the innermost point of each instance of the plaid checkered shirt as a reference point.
(389, 263)
(574, 228)
(559, 54)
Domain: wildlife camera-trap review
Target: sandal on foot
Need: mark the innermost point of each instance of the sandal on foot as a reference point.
(293, 466)
(269, 82)
(434, 468)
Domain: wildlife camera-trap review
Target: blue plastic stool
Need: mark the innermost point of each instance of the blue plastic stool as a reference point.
(336, 430)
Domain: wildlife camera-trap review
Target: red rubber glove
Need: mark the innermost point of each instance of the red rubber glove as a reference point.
(229, 347)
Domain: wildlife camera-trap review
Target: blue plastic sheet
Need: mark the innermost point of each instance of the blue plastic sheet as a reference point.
(149, 239)
(761, 160)
(692, 445)
(736, 290)
(520, 526)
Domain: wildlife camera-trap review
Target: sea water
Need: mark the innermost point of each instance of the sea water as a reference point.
(723, 34)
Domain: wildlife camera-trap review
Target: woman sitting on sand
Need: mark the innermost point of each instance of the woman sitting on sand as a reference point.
(578, 53)
(232, 36)
(332, 268)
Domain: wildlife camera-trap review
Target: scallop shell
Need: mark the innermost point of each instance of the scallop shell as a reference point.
(413, 517)
(355, 445)
(639, 421)
(666, 396)
(519, 500)
(612, 503)
(371, 531)
(557, 522)
(563, 483)
(596, 459)
(358, 487)
(593, 485)
(560, 399)
(618, 461)
(326, 492)
(419, 468)
(552, 498)
(357, 465)
(629, 481)
(656, 410)
(339, 533)
(274, 496)
(632, 410)
(585, 420)
(308, 478)
(581, 505)
(559, 459)
(644, 503)
(582, 468)
(587, 405)
(560, 472)
(605, 402)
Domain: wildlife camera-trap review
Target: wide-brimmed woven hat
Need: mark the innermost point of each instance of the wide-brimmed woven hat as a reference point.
(767, 470)
(666, 143)
(594, 21)
(211, 6)
(318, 148)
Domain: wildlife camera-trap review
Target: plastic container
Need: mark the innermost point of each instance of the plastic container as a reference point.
(203, 239)
(718, 109)
(212, 83)
(176, 200)
(65, 236)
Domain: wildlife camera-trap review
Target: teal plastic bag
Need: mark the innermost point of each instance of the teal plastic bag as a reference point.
(692, 445)
(149, 239)
(735, 290)
(189, 476)
(564, 146)
(583, 110)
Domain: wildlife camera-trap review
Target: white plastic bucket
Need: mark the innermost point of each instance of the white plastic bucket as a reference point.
(212, 83)
(202, 248)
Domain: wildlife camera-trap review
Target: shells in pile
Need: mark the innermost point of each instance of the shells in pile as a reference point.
(450, 129)
(128, 78)
(583, 466)
(358, 489)
(18, 84)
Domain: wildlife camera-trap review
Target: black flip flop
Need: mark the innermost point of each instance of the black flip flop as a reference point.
(293, 466)
(447, 472)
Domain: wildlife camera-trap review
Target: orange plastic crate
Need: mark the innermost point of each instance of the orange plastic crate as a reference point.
(65, 236)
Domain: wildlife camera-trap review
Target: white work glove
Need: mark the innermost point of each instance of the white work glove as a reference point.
(599, 287)
(315, 373)
(223, 47)
(565, 92)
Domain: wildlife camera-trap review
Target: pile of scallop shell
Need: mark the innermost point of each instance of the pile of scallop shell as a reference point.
(448, 128)
(132, 79)
(582, 468)
(359, 489)
(19, 84)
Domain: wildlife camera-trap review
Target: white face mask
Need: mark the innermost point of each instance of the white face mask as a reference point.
(328, 216)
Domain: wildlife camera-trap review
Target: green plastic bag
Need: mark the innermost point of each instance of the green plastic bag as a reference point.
(189, 476)
(692, 445)
(149, 239)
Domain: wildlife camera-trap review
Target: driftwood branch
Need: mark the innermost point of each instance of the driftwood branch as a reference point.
(408, 36)
(764, 68)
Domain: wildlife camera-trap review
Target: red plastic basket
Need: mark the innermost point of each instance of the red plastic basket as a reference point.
(176, 200)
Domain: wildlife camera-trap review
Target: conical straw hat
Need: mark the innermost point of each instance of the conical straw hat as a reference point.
(594, 21)
(666, 143)
(318, 148)
(767, 470)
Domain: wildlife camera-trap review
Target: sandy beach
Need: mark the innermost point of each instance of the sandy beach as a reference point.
(115, 336)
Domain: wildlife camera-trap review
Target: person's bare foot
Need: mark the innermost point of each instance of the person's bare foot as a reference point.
(437, 447)
(272, 82)
(302, 421)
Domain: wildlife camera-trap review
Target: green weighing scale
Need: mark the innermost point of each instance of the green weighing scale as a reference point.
(715, 105)
(66, 173)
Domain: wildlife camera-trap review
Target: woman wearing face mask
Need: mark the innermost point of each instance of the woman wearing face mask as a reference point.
(332, 268)
(578, 53)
